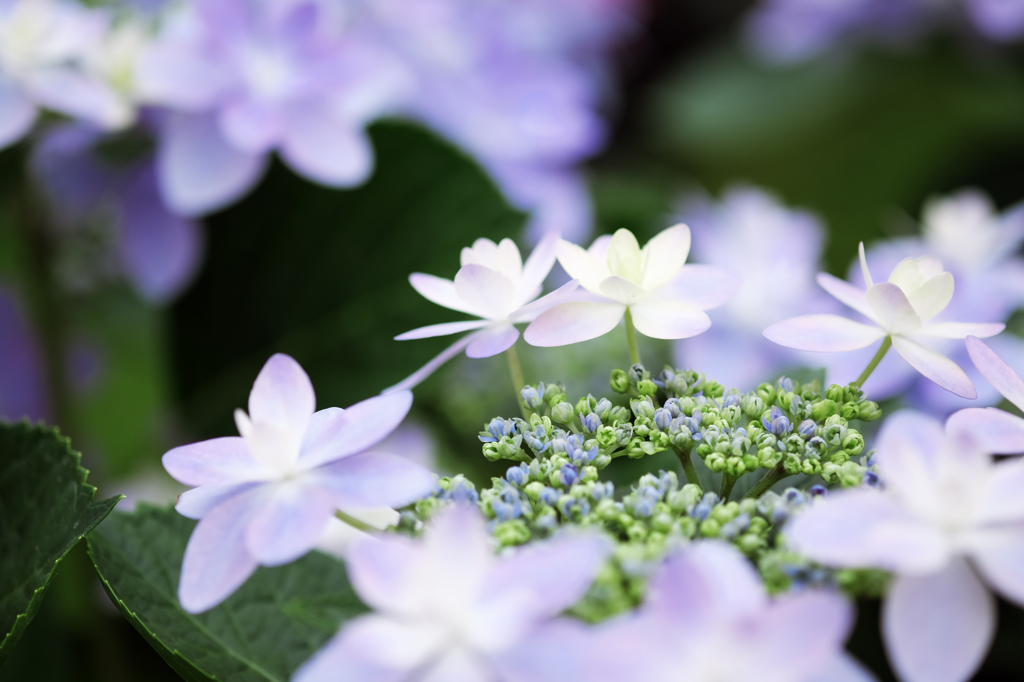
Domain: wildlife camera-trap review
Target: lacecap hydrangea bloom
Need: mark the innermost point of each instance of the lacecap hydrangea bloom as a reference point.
(650, 286)
(900, 309)
(266, 497)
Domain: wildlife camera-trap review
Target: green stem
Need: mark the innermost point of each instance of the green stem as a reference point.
(766, 483)
(688, 470)
(356, 523)
(728, 481)
(515, 370)
(886, 344)
(634, 354)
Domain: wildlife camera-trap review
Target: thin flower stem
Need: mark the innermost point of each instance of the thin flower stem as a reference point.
(688, 470)
(886, 344)
(728, 481)
(356, 523)
(515, 370)
(766, 483)
(634, 354)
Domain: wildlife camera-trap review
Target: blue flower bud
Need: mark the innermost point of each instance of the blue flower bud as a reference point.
(549, 496)
(818, 491)
(591, 423)
(701, 511)
(785, 385)
(603, 409)
(516, 475)
(662, 418)
(531, 397)
(567, 474)
(871, 479)
(807, 428)
(731, 399)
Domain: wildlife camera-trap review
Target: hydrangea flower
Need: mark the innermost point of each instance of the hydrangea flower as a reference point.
(997, 431)
(493, 284)
(266, 497)
(901, 308)
(665, 300)
(707, 617)
(775, 253)
(949, 524)
(44, 46)
(447, 609)
(245, 78)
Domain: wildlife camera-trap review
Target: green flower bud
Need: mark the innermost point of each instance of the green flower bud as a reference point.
(562, 413)
(643, 407)
(839, 457)
(750, 462)
(606, 437)
(606, 510)
(784, 399)
(732, 414)
(619, 415)
(715, 462)
(794, 443)
(491, 452)
(553, 396)
(791, 464)
(750, 543)
(852, 393)
(758, 524)
(687, 526)
(635, 449)
(823, 410)
(619, 381)
(647, 387)
(868, 411)
(853, 443)
(811, 467)
(661, 523)
(836, 420)
(849, 411)
(747, 506)
(753, 405)
(851, 474)
(735, 467)
(589, 474)
(660, 440)
(766, 392)
(637, 532)
(703, 450)
(602, 461)
(768, 457)
(585, 406)
(710, 528)
(834, 393)
(724, 513)
(533, 490)
(510, 533)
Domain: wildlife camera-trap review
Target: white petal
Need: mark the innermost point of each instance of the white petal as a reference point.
(823, 333)
(384, 572)
(326, 148)
(938, 627)
(909, 445)
(624, 256)
(999, 556)
(664, 256)
(289, 522)
(582, 265)
(866, 528)
(1003, 502)
(282, 395)
(703, 286)
(487, 292)
(443, 329)
(936, 367)
(492, 341)
(622, 290)
(864, 265)
(989, 429)
(847, 294)
(998, 373)
(562, 294)
(892, 308)
(422, 373)
(360, 649)
(438, 290)
(539, 263)
(661, 319)
(932, 297)
(458, 665)
(960, 330)
(510, 261)
(573, 322)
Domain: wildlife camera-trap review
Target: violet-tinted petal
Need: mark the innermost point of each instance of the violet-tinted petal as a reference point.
(1003, 502)
(17, 113)
(909, 445)
(866, 528)
(847, 294)
(443, 329)
(216, 560)
(583, 265)
(842, 668)
(820, 621)
(991, 430)
(283, 395)
(622, 290)
(251, 126)
(937, 627)
(79, 96)
(664, 256)
(374, 479)
(492, 341)
(361, 426)
(1001, 20)
(179, 75)
(198, 170)
(960, 330)
(198, 502)
(893, 308)
(936, 367)
(999, 556)
(422, 373)
(438, 290)
(702, 286)
(662, 319)
(563, 294)
(998, 373)
(289, 522)
(706, 580)
(218, 461)
(458, 665)
(372, 648)
(539, 263)
(489, 293)
(383, 572)
(823, 333)
(573, 322)
(325, 148)
(561, 650)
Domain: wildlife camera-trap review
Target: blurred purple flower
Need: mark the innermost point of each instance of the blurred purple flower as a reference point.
(156, 250)
(22, 390)
(448, 609)
(267, 496)
(775, 252)
(243, 79)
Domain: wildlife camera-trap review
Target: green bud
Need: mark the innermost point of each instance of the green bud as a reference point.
(791, 464)
(562, 413)
(794, 443)
(510, 533)
(766, 392)
(553, 397)
(868, 411)
(715, 462)
(703, 450)
(619, 381)
(849, 411)
(811, 467)
(784, 399)
(713, 389)
(851, 474)
(602, 461)
(647, 387)
(661, 523)
(619, 415)
(758, 524)
(710, 528)
(491, 452)
(533, 490)
(836, 420)
(750, 543)
(750, 462)
(660, 440)
(753, 405)
(724, 513)
(768, 457)
(732, 414)
(747, 506)
(687, 526)
(823, 410)
(606, 510)
(606, 437)
(643, 407)
(735, 467)
(589, 474)
(834, 393)
(853, 443)
(637, 532)
(635, 449)
(839, 457)
(585, 406)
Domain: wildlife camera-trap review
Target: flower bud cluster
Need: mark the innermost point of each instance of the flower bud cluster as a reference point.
(783, 570)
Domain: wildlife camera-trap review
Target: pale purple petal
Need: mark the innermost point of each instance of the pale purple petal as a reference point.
(1003, 502)
(375, 479)
(422, 373)
(702, 286)
(823, 333)
(664, 319)
(290, 521)
(198, 502)
(892, 307)
(79, 96)
(218, 461)
(936, 367)
(848, 294)
(492, 341)
(487, 292)
(325, 148)
(664, 256)
(621, 289)
(866, 528)
(333, 434)
(178, 74)
(960, 330)
(560, 651)
(216, 560)
(438, 290)
(820, 621)
(539, 263)
(909, 445)
(383, 571)
(371, 648)
(842, 668)
(1001, 20)
(251, 126)
(282, 395)
(458, 665)
(563, 294)
(707, 580)
(17, 113)
(998, 373)
(443, 329)
(999, 557)
(198, 170)
(573, 323)
(938, 627)
(990, 429)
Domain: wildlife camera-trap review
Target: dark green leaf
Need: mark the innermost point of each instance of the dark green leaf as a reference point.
(46, 507)
(264, 631)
